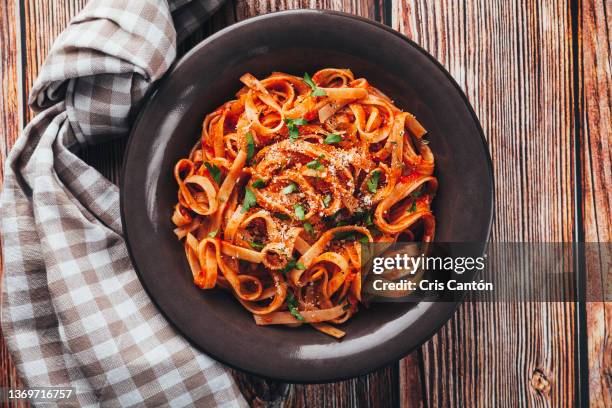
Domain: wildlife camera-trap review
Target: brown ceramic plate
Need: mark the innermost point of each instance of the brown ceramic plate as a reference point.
(170, 123)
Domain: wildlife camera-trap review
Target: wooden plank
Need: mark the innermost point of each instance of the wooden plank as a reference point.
(10, 125)
(514, 61)
(596, 128)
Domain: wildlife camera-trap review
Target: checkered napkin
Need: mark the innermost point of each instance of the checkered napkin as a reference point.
(74, 313)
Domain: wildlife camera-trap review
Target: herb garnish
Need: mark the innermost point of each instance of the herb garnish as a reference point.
(259, 183)
(373, 181)
(249, 200)
(292, 125)
(416, 194)
(291, 188)
(309, 228)
(281, 216)
(316, 91)
(315, 164)
(327, 200)
(299, 212)
(364, 217)
(213, 234)
(413, 207)
(332, 138)
(256, 245)
(214, 171)
(250, 146)
(292, 305)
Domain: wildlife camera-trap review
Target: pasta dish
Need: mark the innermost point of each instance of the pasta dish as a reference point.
(288, 181)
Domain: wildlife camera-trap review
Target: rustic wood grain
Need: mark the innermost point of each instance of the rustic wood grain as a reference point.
(596, 130)
(11, 121)
(514, 61)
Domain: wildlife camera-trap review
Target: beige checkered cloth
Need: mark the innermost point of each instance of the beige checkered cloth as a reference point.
(74, 313)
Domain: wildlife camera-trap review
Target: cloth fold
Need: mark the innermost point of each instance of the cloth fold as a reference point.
(74, 313)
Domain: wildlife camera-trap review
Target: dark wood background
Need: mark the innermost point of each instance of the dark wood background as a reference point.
(538, 76)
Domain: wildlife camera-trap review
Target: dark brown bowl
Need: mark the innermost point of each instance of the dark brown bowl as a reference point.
(295, 42)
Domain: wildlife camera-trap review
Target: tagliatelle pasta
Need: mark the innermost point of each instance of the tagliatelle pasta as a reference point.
(286, 183)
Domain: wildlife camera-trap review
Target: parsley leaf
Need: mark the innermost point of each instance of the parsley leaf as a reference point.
(316, 91)
(315, 164)
(300, 266)
(256, 245)
(413, 207)
(213, 234)
(214, 171)
(308, 227)
(299, 121)
(291, 188)
(373, 181)
(292, 126)
(259, 183)
(332, 138)
(250, 146)
(299, 212)
(364, 217)
(281, 216)
(289, 267)
(344, 235)
(416, 194)
(249, 200)
(292, 305)
(327, 200)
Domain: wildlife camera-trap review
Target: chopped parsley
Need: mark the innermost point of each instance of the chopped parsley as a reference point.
(292, 305)
(344, 235)
(292, 125)
(213, 234)
(350, 236)
(316, 91)
(332, 138)
(214, 171)
(315, 164)
(249, 200)
(327, 200)
(290, 266)
(413, 207)
(373, 181)
(364, 217)
(259, 183)
(250, 146)
(256, 245)
(281, 216)
(309, 228)
(291, 188)
(299, 212)
(300, 266)
(425, 141)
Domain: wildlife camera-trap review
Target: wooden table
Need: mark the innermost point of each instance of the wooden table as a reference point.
(538, 75)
